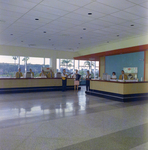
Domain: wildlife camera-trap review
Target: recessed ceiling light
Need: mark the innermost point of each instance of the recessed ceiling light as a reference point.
(44, 32)
(11, 34)
(132, 25)
(89, 13)
(36, 19)
(84, 28)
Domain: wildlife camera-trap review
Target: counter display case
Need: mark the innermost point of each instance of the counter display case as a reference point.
(121, 91)
(9, 85)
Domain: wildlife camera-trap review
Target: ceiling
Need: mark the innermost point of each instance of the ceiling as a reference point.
(66, 24)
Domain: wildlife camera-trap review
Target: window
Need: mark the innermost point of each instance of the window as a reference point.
(36, 64)
(67, 64)
(8, 66)
(47, 62)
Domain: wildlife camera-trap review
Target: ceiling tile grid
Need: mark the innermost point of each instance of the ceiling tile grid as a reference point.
(70, 25)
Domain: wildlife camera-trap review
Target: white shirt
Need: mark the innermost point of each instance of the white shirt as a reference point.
(114, 77)
(64, 75)
(88, 76)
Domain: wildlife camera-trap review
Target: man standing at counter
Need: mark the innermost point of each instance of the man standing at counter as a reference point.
(64, 80)
(19, 74)
(32, 73)
(123, 76)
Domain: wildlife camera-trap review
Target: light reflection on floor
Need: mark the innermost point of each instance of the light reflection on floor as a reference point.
(31, 108)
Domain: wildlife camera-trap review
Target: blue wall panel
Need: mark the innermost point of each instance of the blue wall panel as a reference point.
(117, 62)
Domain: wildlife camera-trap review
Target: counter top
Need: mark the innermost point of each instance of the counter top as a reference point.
(124, 82)
(29, 78)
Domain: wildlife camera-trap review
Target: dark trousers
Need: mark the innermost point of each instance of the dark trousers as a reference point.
(64, 83)
(87, 85)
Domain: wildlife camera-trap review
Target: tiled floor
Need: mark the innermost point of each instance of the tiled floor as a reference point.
(71, 121)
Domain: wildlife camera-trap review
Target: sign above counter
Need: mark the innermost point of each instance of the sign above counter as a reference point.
(130, 70)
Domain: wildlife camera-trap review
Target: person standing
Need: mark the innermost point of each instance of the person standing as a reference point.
(64, 80)
(19, 74)
(50, 74)
(42, 74)
(77, 77)
(114, 76)
(88, 78)
(123, 76)
(32, 73)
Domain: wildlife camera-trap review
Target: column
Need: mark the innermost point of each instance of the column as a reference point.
(94, 69)
(43, 62)
(25, 65)
(18, 62)
(53, 63)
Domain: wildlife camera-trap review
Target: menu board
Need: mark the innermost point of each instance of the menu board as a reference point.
(130, 70)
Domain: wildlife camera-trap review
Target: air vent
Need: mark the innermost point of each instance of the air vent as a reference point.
(2, 21)
(31, 44)
(65, 35)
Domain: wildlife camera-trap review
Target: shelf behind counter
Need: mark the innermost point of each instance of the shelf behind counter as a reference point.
(121, 91)
(9, 85)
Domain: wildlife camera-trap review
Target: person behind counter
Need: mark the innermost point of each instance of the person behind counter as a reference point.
(88, 77)
(19, 73)
(114, 76)
(50, 74)
(32, 73)
(64, 80)
(123, 76)
(77, 77)
(42, 74)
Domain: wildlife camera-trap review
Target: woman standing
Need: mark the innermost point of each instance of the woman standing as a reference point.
(88, 78)
(77, 77)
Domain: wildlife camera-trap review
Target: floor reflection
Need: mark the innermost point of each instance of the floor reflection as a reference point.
(71, 103)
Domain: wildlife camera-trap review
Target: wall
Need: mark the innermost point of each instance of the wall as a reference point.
(34, 52)
(118, 44)
(117, 62)
(101, 66)
(146, 65)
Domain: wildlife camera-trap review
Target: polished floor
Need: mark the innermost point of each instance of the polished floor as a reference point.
(71, 120)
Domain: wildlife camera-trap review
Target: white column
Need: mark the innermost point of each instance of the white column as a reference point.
(53, 63)
(18, 62)
(25, 64)
(73, 65)
(94, 69)
(43, 62)
(59, 64)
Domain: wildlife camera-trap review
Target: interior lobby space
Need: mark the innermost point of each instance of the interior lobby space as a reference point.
(71, 120)
(50, 48)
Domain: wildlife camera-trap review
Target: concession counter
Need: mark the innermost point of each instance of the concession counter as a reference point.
(121, 91)
(9, 85)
